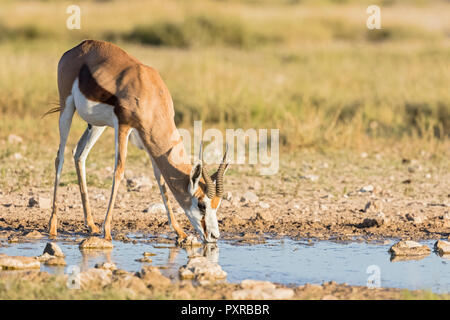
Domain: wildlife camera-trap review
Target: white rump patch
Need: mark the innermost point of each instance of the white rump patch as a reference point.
(95, 113)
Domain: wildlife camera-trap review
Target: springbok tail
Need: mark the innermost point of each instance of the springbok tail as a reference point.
(52, 110)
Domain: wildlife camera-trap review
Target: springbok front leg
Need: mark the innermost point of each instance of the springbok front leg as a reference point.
(80, 153)
(65, 121)
(121, 138)
(163, 189)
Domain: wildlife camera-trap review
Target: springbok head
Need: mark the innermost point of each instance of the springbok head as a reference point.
(206, 197)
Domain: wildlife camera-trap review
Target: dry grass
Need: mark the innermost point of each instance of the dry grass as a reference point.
(310, 68)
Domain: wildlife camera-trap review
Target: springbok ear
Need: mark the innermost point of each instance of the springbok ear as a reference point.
(195, 176)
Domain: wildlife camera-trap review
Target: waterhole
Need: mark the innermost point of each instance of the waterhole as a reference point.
(284, 261)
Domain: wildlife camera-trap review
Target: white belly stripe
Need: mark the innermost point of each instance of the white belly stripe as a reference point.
(95, 113)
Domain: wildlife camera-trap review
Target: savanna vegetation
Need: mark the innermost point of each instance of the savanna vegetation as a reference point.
(310, 68)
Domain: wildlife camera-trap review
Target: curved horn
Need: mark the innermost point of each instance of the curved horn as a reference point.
(220, 174)
(209, 183)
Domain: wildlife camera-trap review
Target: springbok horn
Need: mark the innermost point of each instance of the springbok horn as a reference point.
(209, 183)
(220, 173)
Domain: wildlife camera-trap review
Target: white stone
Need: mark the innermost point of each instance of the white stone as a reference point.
(264, 205)
(249, 197)
(368, 188)
(156, 208)
(311, 177)
(228, 195)
(202, 269)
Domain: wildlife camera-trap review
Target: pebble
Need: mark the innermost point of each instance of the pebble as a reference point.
(95, 243)
(189, 241)
(106, 266)
(137, 184)
(368, 188)
(409, 248)
(55, 261)
(417, 219)
(266, 216)
(311, 177)
(156, 208)
(34, 235)
(144, 259)
(442, 247)
(54, 250)
(40, 202)
(228, 195)
(148, 254)
(264, 205)
(249, 197)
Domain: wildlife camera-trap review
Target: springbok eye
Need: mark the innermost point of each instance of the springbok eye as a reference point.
(202, 207)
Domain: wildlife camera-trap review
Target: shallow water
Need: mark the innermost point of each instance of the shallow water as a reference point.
(283, 261)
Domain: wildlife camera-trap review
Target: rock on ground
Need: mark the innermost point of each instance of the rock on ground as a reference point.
(156, 208)
(106, 265)
(418, 219)
(54, 250)
(95, 243)
(144, 259)
(264, 205)
(55, 261)
(133, 285)
(261, 290)
(44, 257)
(18, 262)
(442, 247)
(189, 241)
(409, 248)
(34, 235)
(202, 270)
(153, 277)
(94, 277)
(249, 197)
(139, 183)
(40, 202)
(368, 188)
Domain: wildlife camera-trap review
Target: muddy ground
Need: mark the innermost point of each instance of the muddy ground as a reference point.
(364, 197)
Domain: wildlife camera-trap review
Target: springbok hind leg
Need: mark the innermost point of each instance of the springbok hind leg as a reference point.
(163, 189)
(121, 136)
(80, 153)
(65, 121)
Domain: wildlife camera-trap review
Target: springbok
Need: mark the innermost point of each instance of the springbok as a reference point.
(108, 87)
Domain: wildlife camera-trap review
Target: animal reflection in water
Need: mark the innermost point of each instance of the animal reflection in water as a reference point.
(207, 250)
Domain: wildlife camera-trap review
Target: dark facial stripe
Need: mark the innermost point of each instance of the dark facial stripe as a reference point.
(204, 225)
(92, 90)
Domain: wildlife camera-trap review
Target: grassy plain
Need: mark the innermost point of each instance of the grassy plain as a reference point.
(310, 68)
